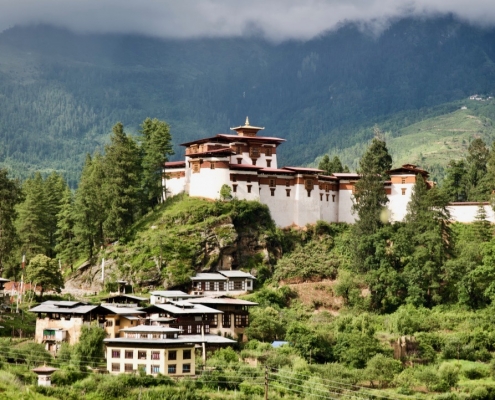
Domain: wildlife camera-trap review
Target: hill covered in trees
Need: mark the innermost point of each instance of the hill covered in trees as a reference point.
(60, 93)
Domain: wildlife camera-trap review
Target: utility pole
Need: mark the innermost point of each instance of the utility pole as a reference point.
(266, 382)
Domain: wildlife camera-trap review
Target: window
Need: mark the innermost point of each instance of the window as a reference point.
(117, 322)
(129, 354)
(254, 161)
(287, 183)
(272, 191)
(189, 328)
(198, 329)
(309, 193)
(155, 369)
(249, 188)
(333, 198)
(109, 323)
(403, 181)
(268, 163)
(115, 353)
(403, 191)
(254, 152)
(142, 355)
(272, 183)
(239, 161)
(172, 354)
(186, 368)
(128, 367)
(234, 188)
(155, 355)
(212, 165)
(287, 192)
(308, 184)
(207, 285)
(186, 354)
(248, 284)
(195, 167)
(268, 151)
(141, 368)
(215, 286)
(234, 178)
(327, 188)
(321, 196)
(172, 369)
(241, 320)
(115, 367)
(238, 149)
(226, 320)
(231, 285)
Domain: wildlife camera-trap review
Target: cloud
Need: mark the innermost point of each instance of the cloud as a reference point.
(275, 19)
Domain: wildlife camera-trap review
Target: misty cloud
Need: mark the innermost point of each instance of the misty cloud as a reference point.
(274, 19)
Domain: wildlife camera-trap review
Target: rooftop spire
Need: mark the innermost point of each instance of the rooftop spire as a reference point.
(247, 121)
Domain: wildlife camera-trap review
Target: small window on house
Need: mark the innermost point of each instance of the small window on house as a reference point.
(287, 183)
(141, 368)
(333, 198)
(195, 167)
(254, 161)
(403, 181)
(186, 368)
(272, 191)
(268, 151)
(249, 188)
(309, 193)
(117, 322)
(172, 354)
(142, 355)
(287, 192)
(234, 188)
(403, 191)
(186, 354)
(189, 328)
(115, 353)
(212, 165)
(238, 149)
(155, 355)
(129, 354)
(272, 183)
(239, 161)
(321, 196)
(268, 163)
(234, 178)
(155, 369)
(115, 367)
(308, 184)
(172, 369)
(207, 285)
(327, 196)
(128, 367)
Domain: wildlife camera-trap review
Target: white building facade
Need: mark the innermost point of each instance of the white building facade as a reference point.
(296, 196)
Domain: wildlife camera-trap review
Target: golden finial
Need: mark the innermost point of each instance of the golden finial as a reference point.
(247, 121)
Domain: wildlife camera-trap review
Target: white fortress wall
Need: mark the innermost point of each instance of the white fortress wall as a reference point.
(173, 183)
(281, 207)
(208, 182)
(400, 195)
(241, 185)
(466, 212)
(345, 206)
(307, 209)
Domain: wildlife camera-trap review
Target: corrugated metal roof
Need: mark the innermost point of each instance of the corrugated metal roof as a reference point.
(223, 300)
(123, 310)
(150, 329)
(236, 274)
(206, 276)
(196, 309)
(50, 308)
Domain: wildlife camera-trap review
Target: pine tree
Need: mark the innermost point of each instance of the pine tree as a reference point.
(430, 242)
(456, 183)
(10, 196)
(66, 247)
(90, 205)
(32, 221)
(156, 148)
(331, 167)
(54, 187)
(122, 164)
(477, 165)
(370, 198)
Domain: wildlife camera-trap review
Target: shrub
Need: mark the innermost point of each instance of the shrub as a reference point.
(449, 374)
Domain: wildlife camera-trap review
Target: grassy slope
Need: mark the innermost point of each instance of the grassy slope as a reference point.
(435, 140)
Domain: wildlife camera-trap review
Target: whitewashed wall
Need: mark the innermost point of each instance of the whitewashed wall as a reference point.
(466, 213)
(398, 202)
(174, 186)
(281, 207)
(208, 182)
(345, 207)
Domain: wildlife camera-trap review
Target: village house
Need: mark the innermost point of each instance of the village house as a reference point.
(222, 282)
(164, 296)
(235, 315)
(247, 163)
(157, 350)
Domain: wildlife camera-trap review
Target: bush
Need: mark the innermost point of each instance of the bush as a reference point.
(449, 374)
(250, 389)
(475, 373)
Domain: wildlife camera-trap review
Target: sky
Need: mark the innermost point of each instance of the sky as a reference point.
(276, 20)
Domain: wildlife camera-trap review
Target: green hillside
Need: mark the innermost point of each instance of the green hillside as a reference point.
(60, 92)
(435, 139)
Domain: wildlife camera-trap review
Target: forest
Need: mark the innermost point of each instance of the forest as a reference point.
(61, 92)
(425, 281)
